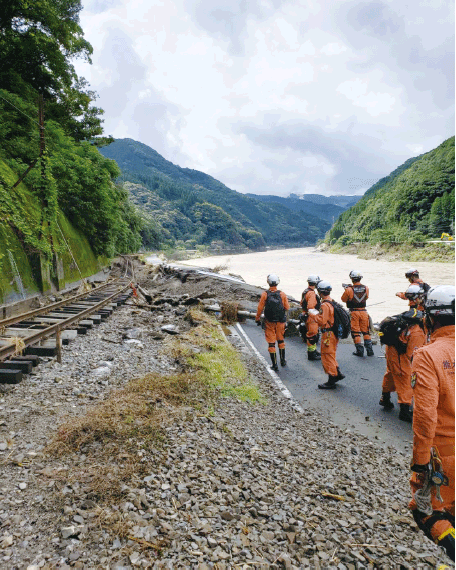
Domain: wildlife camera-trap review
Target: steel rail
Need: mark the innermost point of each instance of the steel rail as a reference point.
(44, 310)
(11, 349)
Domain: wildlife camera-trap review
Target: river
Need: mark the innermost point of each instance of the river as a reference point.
(384, 278)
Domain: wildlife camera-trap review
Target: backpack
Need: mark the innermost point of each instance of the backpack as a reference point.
(274, 311)
(341, 327)
(304, 300)
(391, 328)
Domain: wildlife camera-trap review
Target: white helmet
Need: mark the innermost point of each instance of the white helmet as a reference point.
(272, 279)
(355, 275)
(412, 272)
(324, 287)
(414, 291)
(440, 300)
(313, 279)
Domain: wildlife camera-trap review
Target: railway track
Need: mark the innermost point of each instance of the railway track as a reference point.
(41, 332)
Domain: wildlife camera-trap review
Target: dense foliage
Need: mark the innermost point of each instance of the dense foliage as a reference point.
(193, 207)
(39, 40)
(72, 176)
(412, 204)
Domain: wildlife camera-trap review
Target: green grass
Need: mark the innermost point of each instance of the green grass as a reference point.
(217, 365)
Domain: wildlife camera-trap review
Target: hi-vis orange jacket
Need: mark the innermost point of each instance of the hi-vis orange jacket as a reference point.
(433, 381)
(264, 296)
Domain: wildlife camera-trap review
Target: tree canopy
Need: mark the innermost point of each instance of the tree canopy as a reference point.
(39, 40)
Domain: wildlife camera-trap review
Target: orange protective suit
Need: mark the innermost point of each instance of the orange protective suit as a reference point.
(399, 366)
(329, 341)
(433, 417)
(274, 332)
(310, 298)
(412, 302)
(359, 317)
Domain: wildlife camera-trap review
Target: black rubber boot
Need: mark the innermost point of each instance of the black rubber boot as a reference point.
(369, 349)
(313, 355)
(330, 384)
(405, 414)
(447, 544)
(274, 366)
(339, 376)
(385, 401)
(359, 350)
(283, 362)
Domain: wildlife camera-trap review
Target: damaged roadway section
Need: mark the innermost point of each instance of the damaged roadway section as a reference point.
(226, 483)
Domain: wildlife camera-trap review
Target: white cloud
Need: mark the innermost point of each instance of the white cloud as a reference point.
(183, 76)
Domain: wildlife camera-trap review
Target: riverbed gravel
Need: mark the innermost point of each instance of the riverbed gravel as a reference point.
(244, 486)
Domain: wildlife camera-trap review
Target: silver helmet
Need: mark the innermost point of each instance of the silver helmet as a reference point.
(355, 275)
(313, 279)
(272, 279)
(440, 300)
(324, 287)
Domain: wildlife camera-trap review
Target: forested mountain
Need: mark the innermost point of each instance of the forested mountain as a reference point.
(414, 203)
(326, 210)
(193, 207)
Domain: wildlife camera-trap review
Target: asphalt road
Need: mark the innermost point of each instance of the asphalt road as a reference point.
(353, 404)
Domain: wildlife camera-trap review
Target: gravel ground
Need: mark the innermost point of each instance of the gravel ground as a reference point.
(245, 486)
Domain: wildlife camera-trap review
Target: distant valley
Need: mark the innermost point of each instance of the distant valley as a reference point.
(189, 208)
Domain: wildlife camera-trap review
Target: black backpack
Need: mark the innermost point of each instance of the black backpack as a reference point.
(391, 328)
(341, 327)
(274, 311)
(304, 301)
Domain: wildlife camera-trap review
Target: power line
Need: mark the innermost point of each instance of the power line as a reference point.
(25, 114)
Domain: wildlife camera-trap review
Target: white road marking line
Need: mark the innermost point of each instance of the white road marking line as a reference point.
(278, 382)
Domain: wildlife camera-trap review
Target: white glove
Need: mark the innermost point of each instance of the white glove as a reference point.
(313, 312)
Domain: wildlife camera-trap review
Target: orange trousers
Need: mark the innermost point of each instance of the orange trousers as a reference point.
(447, 493)
(397, 375)
(312, 330)
(274, 332)
(359, 326)
(329, 343)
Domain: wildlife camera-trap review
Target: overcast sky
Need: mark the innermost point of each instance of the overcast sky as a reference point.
(273, 97)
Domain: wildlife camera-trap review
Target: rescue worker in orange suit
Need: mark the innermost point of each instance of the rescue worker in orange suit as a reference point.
(310, 300)
(414, 277)
(329, 341)
(433, 422)
(275, 305)
(355, 296)
(399, 359)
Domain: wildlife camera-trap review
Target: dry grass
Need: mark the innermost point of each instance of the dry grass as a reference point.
(138, 410)
(117, 435)
(219, 268)
(108, 434)
(229, 312)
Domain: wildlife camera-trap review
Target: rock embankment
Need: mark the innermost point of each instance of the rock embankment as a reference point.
(221, 483)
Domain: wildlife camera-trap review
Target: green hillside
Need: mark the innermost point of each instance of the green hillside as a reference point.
(194, 207)
(25, 244)
(413, 204)
(57, 191)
